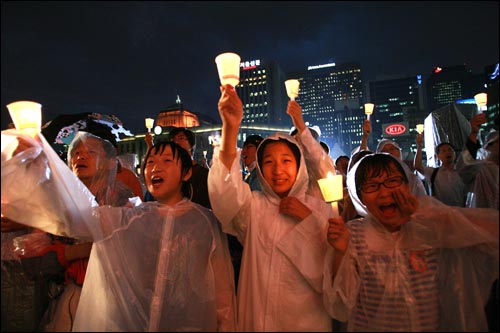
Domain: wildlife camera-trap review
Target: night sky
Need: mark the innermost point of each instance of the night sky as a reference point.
(132, 59)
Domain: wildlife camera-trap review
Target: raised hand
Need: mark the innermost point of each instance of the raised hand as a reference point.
(230, 106)
(407, 202)
(295, 112)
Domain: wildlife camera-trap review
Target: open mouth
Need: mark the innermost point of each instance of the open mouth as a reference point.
(388, 210)
(157, 180)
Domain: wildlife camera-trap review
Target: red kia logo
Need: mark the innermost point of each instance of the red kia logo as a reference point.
(395, 129)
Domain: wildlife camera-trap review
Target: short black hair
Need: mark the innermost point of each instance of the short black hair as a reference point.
(438, 147)
(374, 165)
(188, 133)
(177, 152)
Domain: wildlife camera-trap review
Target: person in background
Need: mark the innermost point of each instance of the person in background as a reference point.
(158, 266)
(281, 228)
(93, 160)
(444, 182)
(412, 263)
(341, 164)
(24, 292)
(249, 159)
(318, 162)
(482, 178)
(187, 140)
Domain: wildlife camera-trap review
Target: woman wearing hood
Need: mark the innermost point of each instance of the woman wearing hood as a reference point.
(412, 264)
(282, 229)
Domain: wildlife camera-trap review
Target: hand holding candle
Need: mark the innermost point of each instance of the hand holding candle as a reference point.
(332, 190)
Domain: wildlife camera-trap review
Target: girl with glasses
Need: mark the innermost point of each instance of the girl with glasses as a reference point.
(411, 264)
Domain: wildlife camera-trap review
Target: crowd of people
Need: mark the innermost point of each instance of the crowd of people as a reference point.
(248, 243)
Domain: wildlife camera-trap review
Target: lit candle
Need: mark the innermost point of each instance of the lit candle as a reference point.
(228, 66)
(26, 116)
(481, 101)
(369, 109)
(149, 123)
(292, 88)
(332, 190)
(420, 128)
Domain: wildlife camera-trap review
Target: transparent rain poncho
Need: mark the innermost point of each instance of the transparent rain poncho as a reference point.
(435, 273)
(280, 285)
(153, 267)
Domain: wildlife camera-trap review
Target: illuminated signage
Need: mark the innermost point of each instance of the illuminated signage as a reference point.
(437, 70)
(321, 66)
(395, 129)
(246, 65)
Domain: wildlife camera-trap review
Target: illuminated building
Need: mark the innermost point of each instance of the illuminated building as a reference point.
(449, 84)
(331, 97)
(262, 93)
(399, 107)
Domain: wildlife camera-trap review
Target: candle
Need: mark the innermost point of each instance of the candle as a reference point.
(228, 66)
(369, 109)
(481, 101)
(332, 190)
(292, 88)
(420, 128)
(149, 123)
(26, 116)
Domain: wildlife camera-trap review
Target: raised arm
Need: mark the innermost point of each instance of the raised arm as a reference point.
(295, 112)
(231, 113)
(367, 129)
(417, 161)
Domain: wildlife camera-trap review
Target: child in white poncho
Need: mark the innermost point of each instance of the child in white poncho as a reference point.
(411, 264)
(159, 266)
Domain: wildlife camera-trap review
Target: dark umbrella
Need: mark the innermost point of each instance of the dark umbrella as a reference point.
(62, 129)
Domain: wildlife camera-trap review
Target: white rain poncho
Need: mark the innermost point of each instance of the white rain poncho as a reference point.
(435, 273)
(281, 276)
(481, 177)
(153, 268)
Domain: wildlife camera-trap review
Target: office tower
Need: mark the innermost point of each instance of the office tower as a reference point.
(449, 84)
(331, 97)
(262, 93)
(399, 107)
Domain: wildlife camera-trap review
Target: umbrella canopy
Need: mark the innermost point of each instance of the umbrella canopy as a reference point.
(63, 128)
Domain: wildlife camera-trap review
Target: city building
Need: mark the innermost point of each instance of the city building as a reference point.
(262, 92)
(399, 107)
(331, 97)
(446, 85)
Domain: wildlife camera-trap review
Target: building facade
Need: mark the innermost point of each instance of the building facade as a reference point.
(399, 107)
(331, 97)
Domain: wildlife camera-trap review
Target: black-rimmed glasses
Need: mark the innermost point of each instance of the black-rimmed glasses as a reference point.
(391, 182)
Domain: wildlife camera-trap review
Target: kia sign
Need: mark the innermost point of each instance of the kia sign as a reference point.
(396, 129)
